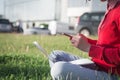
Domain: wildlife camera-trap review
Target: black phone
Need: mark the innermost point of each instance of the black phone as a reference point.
(68, 35)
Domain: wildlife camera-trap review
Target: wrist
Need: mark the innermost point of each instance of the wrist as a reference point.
(88, 48)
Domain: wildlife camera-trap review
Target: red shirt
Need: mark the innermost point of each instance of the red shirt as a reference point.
(105, 52)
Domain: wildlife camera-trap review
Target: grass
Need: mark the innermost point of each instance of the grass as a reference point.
(22, 67)
(21, 60)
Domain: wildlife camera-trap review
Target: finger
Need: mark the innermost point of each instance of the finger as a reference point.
(83, 37)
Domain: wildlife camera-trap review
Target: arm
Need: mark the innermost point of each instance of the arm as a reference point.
(92, 41)
(109, 55)
(82, 42)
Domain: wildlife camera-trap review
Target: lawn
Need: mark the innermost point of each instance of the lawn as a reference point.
(21, 60)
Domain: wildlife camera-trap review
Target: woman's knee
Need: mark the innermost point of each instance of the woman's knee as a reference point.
(54, 54)
(60, 69)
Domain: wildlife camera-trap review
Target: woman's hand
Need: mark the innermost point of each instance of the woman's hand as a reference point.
(81, 42)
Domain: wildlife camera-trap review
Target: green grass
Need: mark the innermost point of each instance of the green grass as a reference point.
(21, 60)
(22, 67)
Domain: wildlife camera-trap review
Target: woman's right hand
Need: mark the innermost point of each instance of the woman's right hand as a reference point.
(80, 42)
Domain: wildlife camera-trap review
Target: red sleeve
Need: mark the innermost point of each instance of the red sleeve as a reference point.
(92, 42)
(118, 23)
(109, 55)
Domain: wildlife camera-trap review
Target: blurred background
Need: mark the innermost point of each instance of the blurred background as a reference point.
(57, 16)
(19, 57)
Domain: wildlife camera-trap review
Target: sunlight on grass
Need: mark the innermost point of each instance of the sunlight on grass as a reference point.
(21, 60)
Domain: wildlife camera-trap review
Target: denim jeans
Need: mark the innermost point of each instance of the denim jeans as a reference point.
(61, 69)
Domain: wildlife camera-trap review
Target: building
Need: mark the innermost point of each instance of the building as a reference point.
(48, 10)
(1, 8)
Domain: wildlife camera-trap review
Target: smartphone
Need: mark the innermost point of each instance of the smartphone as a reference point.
(68, 35)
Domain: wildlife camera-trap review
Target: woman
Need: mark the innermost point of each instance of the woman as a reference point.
(105, 52)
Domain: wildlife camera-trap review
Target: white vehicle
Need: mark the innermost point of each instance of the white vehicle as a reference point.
(36, 30)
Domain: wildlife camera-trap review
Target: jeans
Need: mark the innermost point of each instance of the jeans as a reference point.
(61, 69)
